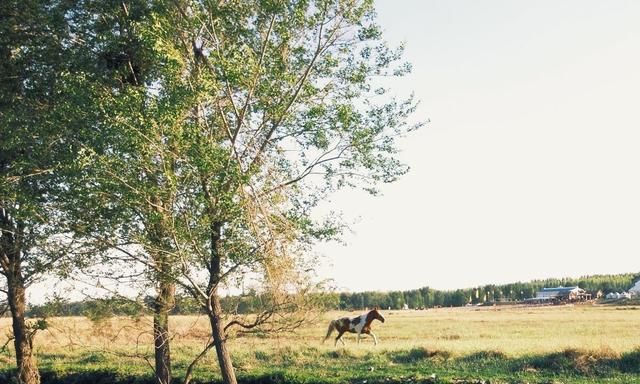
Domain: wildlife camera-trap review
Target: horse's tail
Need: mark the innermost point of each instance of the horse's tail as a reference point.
(332, 327)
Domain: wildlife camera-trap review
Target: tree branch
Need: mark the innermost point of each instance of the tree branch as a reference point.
(254, 82)
(320, 48)
(189, 371)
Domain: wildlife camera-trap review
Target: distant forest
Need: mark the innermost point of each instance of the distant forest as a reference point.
(415, 299)
(428, 297)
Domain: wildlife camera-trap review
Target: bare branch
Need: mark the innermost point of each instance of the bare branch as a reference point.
(321, 47)
(255, 80)
(189, 371)
(260, 319)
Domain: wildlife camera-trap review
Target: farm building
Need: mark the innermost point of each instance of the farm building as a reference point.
(616, 295)
(635, 290)
(563, 294)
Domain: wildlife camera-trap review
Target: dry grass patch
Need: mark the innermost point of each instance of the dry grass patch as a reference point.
(579, 340)
(580, 361)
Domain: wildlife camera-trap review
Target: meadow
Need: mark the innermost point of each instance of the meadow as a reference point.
(560, 344)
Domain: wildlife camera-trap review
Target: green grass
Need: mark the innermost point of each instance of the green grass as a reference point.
(581, 344)
(417, 365)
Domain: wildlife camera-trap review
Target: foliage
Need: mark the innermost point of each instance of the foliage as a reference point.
(202, 135)
(38, 153)
(252, 302)
(222, 125)
(428, 297)
(37, 126)
(91, 308)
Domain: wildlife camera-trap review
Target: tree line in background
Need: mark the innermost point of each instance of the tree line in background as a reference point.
(253, 302)
(428, 297)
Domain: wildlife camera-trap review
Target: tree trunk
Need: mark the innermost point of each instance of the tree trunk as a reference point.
(166, 289)
(27, 369)
(11, 262)
(217, 332)
(214, 309)
(164, 303)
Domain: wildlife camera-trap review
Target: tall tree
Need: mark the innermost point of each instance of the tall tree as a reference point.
(289, 108)
(251, 114)
(35, 155)
(126, 194)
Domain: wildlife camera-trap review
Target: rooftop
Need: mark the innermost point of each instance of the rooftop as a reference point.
(560, 289)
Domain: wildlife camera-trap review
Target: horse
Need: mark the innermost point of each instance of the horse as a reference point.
(359, 325)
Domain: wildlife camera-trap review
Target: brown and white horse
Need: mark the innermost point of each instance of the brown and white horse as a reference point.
(359, 325)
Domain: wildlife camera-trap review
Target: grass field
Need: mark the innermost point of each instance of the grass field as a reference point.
(568, 344)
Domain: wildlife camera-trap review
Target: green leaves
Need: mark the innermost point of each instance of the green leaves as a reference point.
(195, 139)
(188, 114)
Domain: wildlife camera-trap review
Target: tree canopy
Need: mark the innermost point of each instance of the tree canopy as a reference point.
(189, 142)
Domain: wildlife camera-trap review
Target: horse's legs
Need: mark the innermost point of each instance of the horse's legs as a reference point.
(339, 338)
(375, 339)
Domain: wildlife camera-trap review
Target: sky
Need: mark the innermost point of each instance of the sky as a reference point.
(529, 165)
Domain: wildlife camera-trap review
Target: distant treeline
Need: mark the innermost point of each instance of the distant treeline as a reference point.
(417, 298)
(428, 297)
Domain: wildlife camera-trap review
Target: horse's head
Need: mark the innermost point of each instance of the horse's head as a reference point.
(377, 315)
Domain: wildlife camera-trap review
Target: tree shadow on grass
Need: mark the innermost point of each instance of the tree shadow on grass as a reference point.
(93, 377)
(418, 354)
(567, 363)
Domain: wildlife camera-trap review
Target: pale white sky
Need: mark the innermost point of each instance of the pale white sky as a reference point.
(530, 165)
